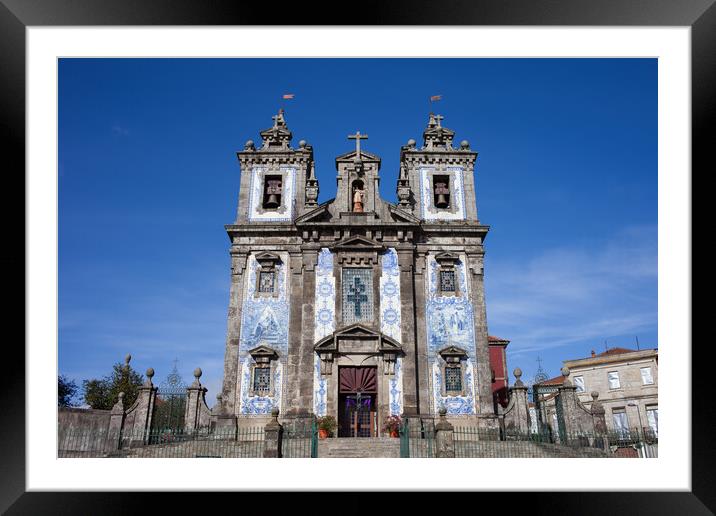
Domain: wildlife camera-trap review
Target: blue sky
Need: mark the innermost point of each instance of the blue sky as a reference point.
(566, 177)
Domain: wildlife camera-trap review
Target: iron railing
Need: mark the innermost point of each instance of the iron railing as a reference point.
(300, 438)
(417, 437)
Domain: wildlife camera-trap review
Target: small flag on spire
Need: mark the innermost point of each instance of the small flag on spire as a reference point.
(436, 97)
(288, 96)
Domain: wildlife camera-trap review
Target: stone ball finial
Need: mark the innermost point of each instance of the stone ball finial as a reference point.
(465, 144)
(302, 144)
(411, 143)
(249, 145)
(120, 396)
(150, 373)
(565, 371)
(197, 373)
(274, 412)
(442, 411)
(595, 395)
(517, 372)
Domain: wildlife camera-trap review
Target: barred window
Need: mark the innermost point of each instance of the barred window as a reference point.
(262, 379)
(266, 281)
(447, 281)
(357, 295)
(453, 379)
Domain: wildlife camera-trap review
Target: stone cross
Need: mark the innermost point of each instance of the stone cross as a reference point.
(439, 118)
(358, 137)
(356, 295)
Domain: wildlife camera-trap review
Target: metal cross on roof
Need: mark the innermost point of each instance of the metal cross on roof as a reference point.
(358, 137)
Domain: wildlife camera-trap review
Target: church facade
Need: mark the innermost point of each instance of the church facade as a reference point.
(357, 307)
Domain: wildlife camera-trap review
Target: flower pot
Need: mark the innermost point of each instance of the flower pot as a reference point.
(322, 433)
(394, 433)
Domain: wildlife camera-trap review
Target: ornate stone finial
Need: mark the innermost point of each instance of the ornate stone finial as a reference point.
(149, 373)
(465, 145)
(595, 395)
(197, 373)
(518, 373)
(249, 145)
(278, 136)
(275, 413)
(119, 406)
(442, 411)
(302, 144)
(411, 143)
(565, 371)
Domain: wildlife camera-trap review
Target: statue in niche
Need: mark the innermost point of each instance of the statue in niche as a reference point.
(358, 199)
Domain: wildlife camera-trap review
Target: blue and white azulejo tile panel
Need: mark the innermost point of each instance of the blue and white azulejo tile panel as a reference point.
(325, 323)
(288, 195)
(390, 319)
(429, 211)
(264, 321)
(450, 322)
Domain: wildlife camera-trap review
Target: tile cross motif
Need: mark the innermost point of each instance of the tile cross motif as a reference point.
(356, 295)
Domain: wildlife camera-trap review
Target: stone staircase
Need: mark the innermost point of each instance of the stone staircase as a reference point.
(359, 447)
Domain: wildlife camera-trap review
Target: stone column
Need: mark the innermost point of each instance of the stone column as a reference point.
(517, 414)
(483, 376)
(143, 411)
(273, 436)
(229, 390)
(195, 395)
(444, 437)
(116, 422)
(411, 375)
(422, 362)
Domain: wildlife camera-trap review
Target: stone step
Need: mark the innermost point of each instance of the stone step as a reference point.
(359, 447)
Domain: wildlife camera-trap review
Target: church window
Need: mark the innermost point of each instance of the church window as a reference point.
(447, 281)
(262, 380)
(272, 192)
(441, 191)
(453, 379)
(267, 281)
(357, 295)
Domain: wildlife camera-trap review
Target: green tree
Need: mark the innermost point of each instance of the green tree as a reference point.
(103, 393)
(66, 391)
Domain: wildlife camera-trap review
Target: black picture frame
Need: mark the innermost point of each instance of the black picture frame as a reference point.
(16, 15)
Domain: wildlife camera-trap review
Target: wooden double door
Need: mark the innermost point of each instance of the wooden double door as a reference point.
(357, 402)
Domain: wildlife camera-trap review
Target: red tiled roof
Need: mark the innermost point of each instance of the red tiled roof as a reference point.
(492, 338)
(615, 351)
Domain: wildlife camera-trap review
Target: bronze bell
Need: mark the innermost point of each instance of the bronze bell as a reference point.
(273, 190)
(442, 195)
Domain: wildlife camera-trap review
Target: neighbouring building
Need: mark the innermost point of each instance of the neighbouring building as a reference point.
(356, 301)
(626, 382)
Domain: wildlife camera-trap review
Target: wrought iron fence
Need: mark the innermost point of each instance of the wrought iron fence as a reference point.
(225, 442)
(417, 438)
(300, 438)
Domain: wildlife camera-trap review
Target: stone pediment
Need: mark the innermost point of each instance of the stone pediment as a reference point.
(402, 215)
(366, 157)
(447, 259)
(320, 214)
(263, 351)
(357, 338)
(357, 243)
(267, 259)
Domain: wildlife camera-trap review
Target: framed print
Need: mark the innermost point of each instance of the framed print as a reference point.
(333, 280)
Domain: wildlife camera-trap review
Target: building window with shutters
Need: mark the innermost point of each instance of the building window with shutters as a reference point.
(646, 378)
(613, 377)
(579, 383)
(652, 416)
(620, 422)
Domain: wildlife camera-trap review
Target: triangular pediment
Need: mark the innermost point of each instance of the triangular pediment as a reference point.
(358, 242)
(402, 215)
(452, 351)
(357, 330)
(364, 156)
(320, 214)
(262, 351)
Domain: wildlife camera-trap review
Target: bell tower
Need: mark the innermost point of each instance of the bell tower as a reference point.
(436, 181)
(357, 182)
(277, 181)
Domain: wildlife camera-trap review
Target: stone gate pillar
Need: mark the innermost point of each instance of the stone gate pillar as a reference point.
(143, 411)
(444, 436)
(196, 413)
(273, 437)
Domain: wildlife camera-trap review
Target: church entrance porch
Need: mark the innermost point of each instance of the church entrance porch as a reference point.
(358, 387)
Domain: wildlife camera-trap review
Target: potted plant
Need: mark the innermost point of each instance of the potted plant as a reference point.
(326, 426)
(391, 426)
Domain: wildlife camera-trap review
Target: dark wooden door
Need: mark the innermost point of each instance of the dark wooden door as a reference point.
(356, 402)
